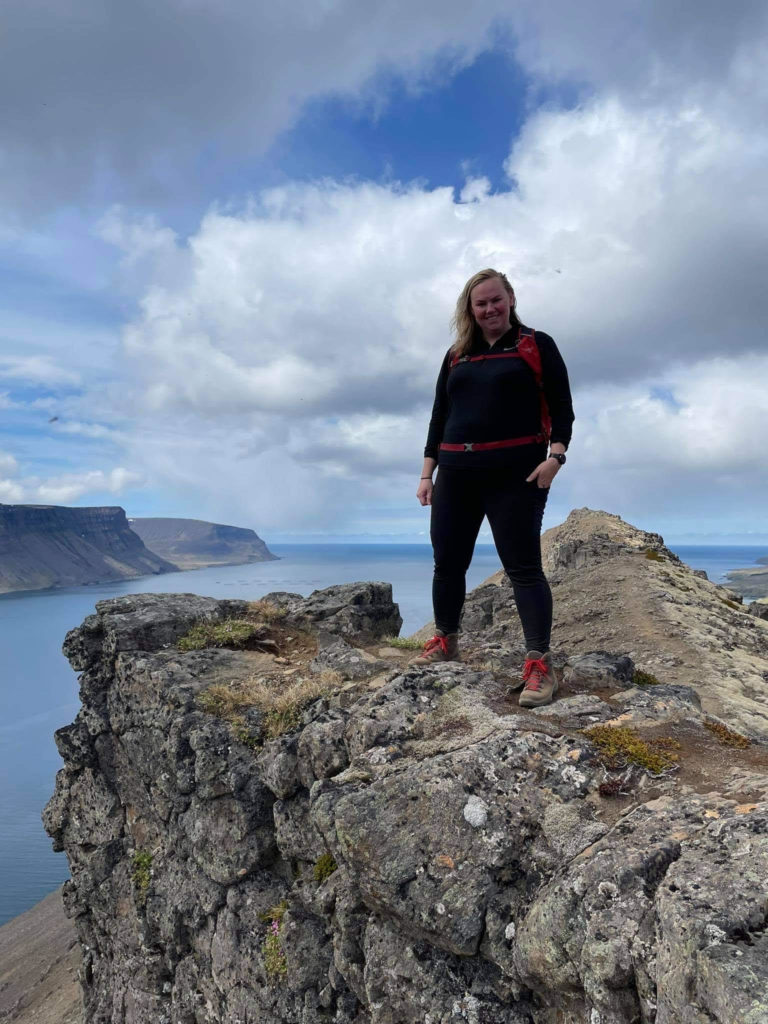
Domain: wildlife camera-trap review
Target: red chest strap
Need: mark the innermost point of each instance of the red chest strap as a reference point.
(527, 350)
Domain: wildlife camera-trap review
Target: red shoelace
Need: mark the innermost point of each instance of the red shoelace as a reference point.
(436, 641)
(536, 668)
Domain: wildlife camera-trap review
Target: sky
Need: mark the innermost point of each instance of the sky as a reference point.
(232, 236)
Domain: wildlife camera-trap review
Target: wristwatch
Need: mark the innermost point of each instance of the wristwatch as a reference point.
(557, 455)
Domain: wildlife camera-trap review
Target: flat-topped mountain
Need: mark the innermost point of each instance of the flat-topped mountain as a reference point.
(271, 816)
(193, 543)
(45, 546)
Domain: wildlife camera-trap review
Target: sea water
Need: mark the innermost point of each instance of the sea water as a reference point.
(38, 689)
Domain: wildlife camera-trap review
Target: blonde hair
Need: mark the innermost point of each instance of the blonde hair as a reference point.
(463, 322)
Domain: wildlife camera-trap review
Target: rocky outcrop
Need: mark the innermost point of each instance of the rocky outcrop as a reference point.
(365, 612)
(192, 543)
(53, 546)
(411, 846)
(618, 588)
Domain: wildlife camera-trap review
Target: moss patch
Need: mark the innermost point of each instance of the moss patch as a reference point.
(640, 678)
(653, 555)
(245, 735)
(324, 867)
(727, 736)
(142, 871)
(731, 604)
(620, 746)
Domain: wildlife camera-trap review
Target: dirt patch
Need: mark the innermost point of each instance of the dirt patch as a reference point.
(703, 762)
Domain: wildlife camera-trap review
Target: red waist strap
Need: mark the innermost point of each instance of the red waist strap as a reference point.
(484, 446)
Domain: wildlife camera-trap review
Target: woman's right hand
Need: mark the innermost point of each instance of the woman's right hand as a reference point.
(424, 493)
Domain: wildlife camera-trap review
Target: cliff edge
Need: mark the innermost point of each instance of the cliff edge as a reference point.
(270, 816)
(45, 546)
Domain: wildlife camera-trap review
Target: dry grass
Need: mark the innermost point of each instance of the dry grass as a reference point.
(281, 701)
(265, 611)
(283, 708)
(727, 736)
(640, 678)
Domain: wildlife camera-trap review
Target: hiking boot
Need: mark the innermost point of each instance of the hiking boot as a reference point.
(439, 648)
(540, 681)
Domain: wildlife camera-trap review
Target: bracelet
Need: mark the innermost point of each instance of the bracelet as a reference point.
(426, 478)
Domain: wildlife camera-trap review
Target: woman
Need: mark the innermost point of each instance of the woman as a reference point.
(502, 399)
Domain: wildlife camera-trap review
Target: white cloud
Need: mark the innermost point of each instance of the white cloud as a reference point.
(8, 464)
(97, 431)
(37, 369)
(118, 101)
(281, 362)
(64, 488)
(305, 332)
(11, 493)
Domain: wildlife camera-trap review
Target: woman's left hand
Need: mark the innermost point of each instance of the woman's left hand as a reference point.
(544, 473)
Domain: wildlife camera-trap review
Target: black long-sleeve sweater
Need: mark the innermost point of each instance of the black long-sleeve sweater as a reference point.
(498, 399)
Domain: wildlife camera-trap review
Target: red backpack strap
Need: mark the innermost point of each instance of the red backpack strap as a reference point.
(528, 349)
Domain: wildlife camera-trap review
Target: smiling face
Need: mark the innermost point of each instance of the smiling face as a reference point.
(491, 304)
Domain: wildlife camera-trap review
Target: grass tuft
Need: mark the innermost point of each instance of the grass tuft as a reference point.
(653, 555)
(275, 961)
(727, 736)
(620, 745)
(232, 633)
(266, 611)
(324, 867)
(640, 678)
(274, 913)
(405, 643)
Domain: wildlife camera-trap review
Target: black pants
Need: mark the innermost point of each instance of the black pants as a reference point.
(460, 501)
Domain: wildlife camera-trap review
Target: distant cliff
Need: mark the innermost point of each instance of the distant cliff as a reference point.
(52, 546)
(751, 583)
(192, 543)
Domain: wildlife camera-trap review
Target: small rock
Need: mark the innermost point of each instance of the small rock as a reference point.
(599, 669)
(476, 812)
